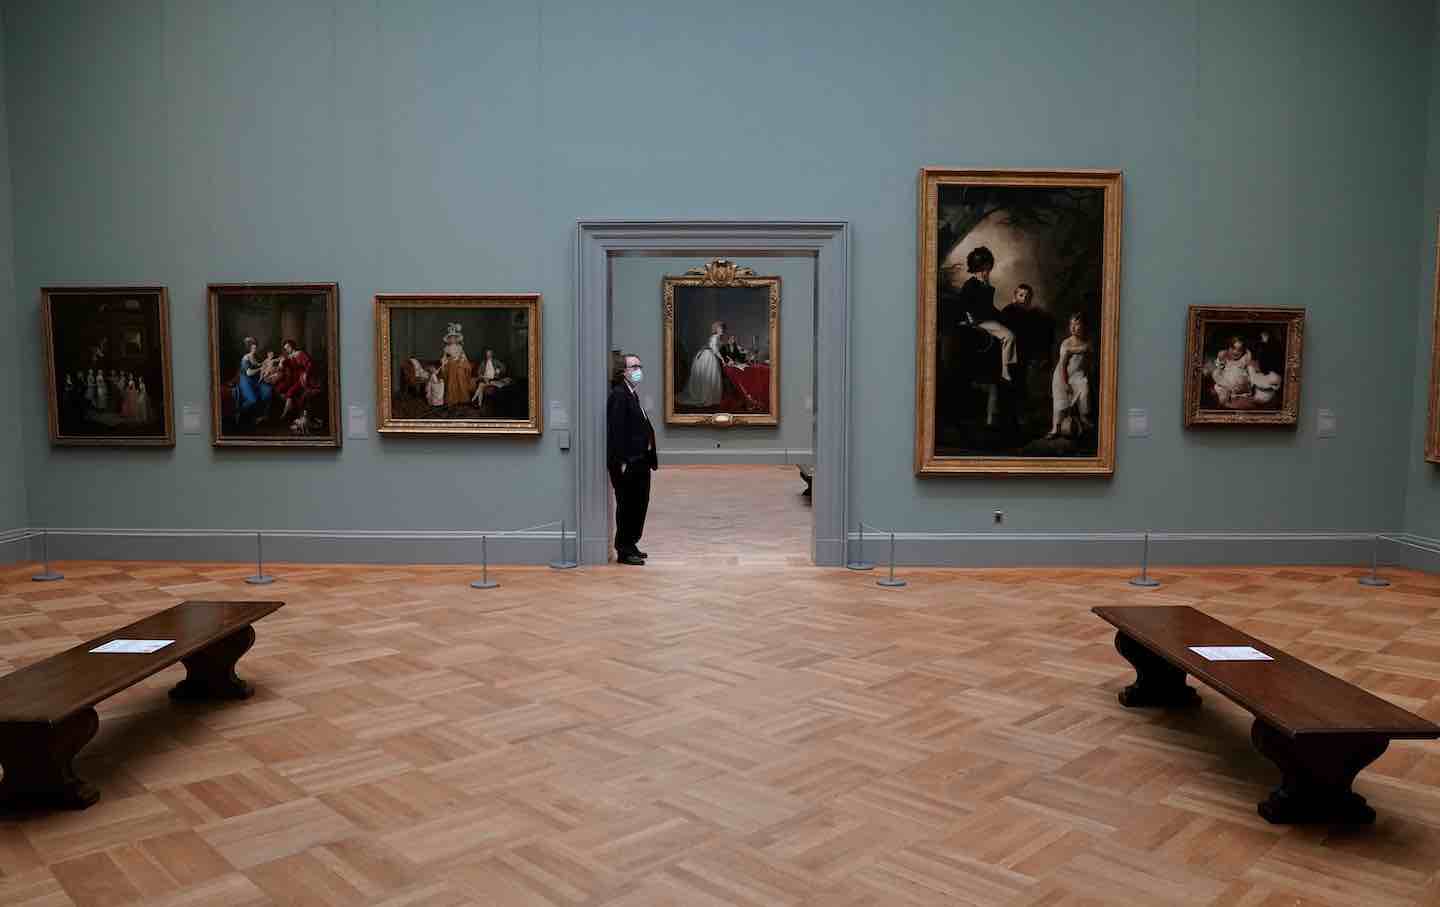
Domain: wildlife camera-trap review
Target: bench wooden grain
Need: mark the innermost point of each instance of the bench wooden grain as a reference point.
(47, 709)
(1320, 730)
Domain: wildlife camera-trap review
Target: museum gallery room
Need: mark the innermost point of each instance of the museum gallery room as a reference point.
(800, 454)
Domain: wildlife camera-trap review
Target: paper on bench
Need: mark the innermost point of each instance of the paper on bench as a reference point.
(1230, 653)
(132, 646)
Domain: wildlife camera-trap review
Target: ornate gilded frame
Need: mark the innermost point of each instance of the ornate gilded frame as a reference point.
(1432, 433)
(389, 424)
(927, 462)
(331, 291)
(47, 317)
(1201, 316)
(720, 272)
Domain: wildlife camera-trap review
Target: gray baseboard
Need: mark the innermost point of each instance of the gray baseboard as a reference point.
(1406, 549)
(736, 455)
(13, 546)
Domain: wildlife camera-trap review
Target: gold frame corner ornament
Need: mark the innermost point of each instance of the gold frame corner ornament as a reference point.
(720, 272)
(1198, 318)
(927, 462)
(388, 424)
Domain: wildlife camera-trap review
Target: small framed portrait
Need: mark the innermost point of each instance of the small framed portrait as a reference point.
(722, 346)
(458, 364)
(104, 387)
(275, 365)
(1243, 365)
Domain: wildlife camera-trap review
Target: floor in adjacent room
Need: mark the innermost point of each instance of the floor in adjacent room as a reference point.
(741, 516)
(684, 736)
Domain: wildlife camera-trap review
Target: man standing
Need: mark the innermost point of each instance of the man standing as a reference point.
(631, 458)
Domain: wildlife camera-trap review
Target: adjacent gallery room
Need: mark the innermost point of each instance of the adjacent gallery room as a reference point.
(554, 454)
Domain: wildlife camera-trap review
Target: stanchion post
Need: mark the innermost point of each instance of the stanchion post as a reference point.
(46, 575)
(484, 582)
(563, 563)
(890, 582)
(1374, 580)
(1144, 580)
(261, 578)
(860, 563)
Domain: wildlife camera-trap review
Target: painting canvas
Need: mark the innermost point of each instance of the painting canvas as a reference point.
(722, 346)
(275, 365)
(1242, 365)
(458, 364)
(107, 355)
(1018, 322)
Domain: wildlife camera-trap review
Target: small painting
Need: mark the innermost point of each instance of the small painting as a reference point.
(107, 356)
(1019, 285)
(458, 364)
(275, 365)
(722, 346)
(1242, 365)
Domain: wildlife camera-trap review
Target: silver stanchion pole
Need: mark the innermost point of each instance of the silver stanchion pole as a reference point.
(890, 582)
(261, 578)
(484, 582)
(1374, 579)
(563, 563)
(1144, 580)
(860, 563)
(46, 575)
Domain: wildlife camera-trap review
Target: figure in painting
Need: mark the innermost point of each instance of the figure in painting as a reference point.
(455, 366)
(706, 385)
(252, 395)
(1231, 372)
(491, 373)
(1070, 384)
(977, 304)
(1265, 368)
(296, 384)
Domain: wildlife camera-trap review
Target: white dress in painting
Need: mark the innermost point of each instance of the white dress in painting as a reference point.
(1231, 375)
(1264, 385)
(435, 389)
(1070, 385)
(706, 385)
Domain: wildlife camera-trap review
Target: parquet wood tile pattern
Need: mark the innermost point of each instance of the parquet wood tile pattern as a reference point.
(684, 735)
(729, 516)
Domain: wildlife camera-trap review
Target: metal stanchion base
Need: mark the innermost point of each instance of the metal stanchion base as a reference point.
(1144, 582)
(859, 565)
(484, 584)
(890, 583)
(1374, 581)
(563, 565)
(50, 576)
(263, 579)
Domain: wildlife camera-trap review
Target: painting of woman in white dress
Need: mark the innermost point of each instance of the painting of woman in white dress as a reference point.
(722, 346)
(1243, 365)
(1070, 384)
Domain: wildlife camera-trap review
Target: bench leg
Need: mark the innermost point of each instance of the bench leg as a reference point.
(38, 761)
(1317, 772)
(1157, 681)
(210, 672)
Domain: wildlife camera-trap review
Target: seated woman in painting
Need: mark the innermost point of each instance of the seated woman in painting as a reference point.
(1070, 383)
(252, 395)
(706, 385)
(1231, 373)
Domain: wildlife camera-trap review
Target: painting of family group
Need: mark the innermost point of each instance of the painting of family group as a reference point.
(459, 364)
(274, 356)
(1019, 299)
(1243, 365)
(722, 337)
(108, 352)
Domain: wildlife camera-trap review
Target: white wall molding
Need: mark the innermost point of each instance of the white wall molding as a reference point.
(777, 456)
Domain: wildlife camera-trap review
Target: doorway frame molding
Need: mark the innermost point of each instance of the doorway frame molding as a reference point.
(600, 242)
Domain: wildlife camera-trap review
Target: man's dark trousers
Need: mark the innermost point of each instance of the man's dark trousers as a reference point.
(632, 500)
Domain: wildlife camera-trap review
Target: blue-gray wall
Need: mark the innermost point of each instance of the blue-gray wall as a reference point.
(16, 384)
(1422, 501)
(1269, 151)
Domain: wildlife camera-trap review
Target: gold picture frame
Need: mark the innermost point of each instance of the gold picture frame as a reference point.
(723, 377)
(288, 395)
(1059, 224)
(1432, 433)
(1262, 347)
(423, 371)
(86, 329)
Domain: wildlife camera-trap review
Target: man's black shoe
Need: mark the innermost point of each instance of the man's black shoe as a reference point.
(638, 553)
(633, 560)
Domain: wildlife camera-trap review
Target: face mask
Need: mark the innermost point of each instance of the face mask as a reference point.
(636, 375)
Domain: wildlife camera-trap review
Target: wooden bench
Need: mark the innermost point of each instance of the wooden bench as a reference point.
(47, 709)
(1320, 730)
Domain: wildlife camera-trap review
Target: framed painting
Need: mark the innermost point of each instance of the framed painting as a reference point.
(107, 366)
(1242, 365)
(1432, 424)
(458, 364)
(722, 346)
(1019, 308)
(275, 365)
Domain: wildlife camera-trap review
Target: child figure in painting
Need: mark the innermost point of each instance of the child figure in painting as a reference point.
(435, 389)
(142, 404)
(1231, 372)
(270, 368)
(1070, 384)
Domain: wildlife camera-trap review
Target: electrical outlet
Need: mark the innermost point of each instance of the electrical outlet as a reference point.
(999, 517)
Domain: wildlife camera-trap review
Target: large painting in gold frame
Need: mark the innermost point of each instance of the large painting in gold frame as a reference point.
(458, 363)
(1432, 424)
(722, 346)
(1018, 322)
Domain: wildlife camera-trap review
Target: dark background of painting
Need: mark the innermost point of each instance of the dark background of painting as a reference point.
(77, 322)
(420, 333)
(746, 313)
(1053, 240)
(272, 318)
(1218, 335)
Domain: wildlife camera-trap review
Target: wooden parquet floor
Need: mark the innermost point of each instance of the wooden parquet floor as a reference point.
(728, 516)
(616, 737)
